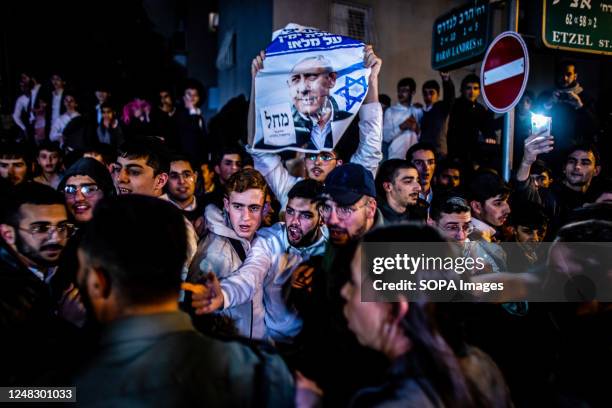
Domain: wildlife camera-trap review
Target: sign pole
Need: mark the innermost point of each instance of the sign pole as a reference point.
(508, 131)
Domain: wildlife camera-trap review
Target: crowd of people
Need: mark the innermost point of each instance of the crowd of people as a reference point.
(148, 258)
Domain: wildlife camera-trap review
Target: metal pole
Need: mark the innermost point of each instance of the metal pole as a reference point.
(508, 135)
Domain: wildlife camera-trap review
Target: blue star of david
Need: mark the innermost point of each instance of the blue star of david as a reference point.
(350, 84)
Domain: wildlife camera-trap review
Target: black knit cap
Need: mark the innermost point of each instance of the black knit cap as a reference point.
(87, 166)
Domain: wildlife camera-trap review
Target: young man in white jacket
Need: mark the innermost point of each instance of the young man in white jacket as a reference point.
(318, 166)
(275, 252)
(228, 241)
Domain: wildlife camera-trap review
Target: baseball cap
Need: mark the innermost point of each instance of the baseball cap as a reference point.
(347, 183)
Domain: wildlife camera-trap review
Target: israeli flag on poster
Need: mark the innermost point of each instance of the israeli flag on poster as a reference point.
(311, 86)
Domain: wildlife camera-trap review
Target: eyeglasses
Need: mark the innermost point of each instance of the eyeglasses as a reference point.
(86, 189)
(322, 156)
(467, 229)
(187, 175)
(42, 230)
(341, 212)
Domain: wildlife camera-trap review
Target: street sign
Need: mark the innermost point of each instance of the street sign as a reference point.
(460, 36)
(504, 72)
(578, 25)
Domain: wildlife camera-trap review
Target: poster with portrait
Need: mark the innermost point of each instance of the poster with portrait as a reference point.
(311, 86)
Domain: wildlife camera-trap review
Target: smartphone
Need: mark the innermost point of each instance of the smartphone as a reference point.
(540, 124)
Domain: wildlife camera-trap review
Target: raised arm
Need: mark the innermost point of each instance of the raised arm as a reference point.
(369, 151)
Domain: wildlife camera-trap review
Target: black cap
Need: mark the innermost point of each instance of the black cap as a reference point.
(347, 183)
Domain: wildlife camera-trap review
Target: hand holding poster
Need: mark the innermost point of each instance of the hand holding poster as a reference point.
(311, 86)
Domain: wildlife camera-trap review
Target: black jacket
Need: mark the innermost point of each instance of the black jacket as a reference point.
(33, 341)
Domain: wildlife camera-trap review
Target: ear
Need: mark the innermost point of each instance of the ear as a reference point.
(98, 285)
(7, 233)
(332, 79)
(371, 208)
(217, 169)
(226, 204)
(597, 170)
(161, 180)
(476, 207)
(387, 186)
(265, 209)
(339, 162)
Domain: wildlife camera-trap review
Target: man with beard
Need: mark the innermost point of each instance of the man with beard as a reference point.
(398, 188)
(319, 165)
(149, 353)
(329, 354)
(34, 230)
(573, 113)
(49, 159)
(268, 266)
(582, 165)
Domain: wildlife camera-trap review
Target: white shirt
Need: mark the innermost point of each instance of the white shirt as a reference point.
(400, 145)
(395, 116)
(57, 129)
(21, 105)
(56, 105)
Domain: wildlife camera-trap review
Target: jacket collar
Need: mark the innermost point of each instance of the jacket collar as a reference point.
(145, 327)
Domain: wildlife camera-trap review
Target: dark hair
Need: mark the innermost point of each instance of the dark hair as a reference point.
(487, 184)
(384, 99)
(407, 82)
(308, 188)
(87, 166)
(108, 153)
(181, 157)
(245, 179)
(140, 244)
(448, 202)
(15, 151)
(585, 147)
(147, 148)
(431, 84)
(49, 146)
(225, 150)
(469, 79)
(420, 146)
(528, 214)
(564, 64)
(29, 193)
(446, 164)
(430, 357)
(586, 231)
(387, 173)
(108, 105)
(539, 167)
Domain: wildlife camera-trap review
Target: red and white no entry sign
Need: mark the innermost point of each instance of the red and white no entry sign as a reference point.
(504, 72)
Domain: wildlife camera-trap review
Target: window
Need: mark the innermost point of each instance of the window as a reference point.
(353, 21)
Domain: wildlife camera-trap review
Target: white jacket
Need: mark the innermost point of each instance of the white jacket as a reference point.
(215, 253)
(395, 116)
(368, 154)
(263, 274)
